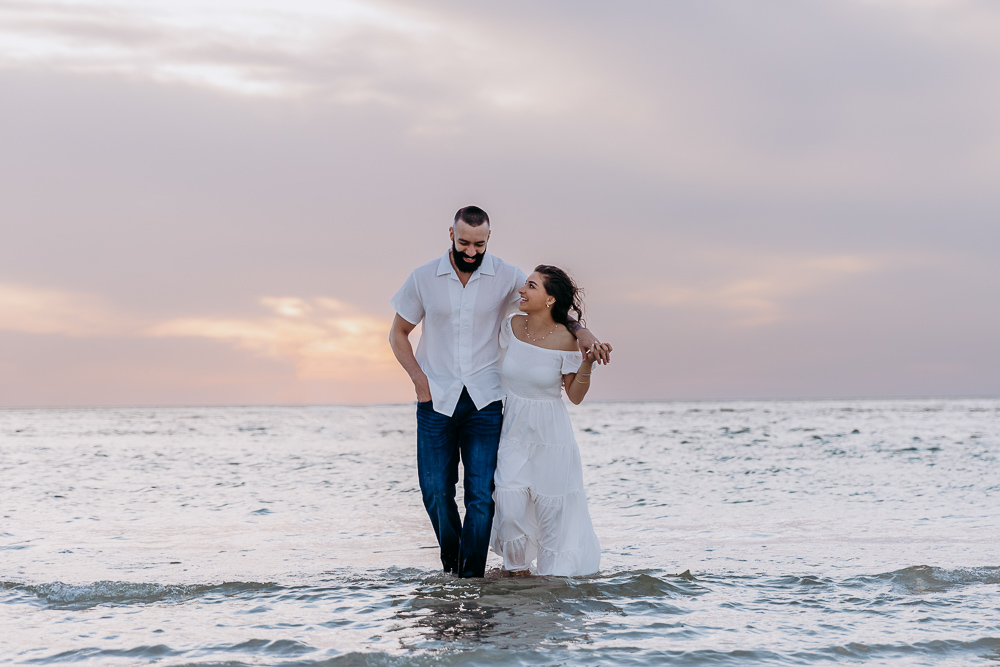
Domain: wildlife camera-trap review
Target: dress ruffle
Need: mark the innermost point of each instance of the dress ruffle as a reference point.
(554, 529)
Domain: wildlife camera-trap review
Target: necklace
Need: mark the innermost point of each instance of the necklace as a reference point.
(533, 339)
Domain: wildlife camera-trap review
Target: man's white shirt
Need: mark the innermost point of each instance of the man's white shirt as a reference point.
(459, 344)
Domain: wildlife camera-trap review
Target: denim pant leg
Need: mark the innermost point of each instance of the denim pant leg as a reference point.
(437, 469)
(479, 439)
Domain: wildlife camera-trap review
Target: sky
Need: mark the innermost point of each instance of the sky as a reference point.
(212, 202)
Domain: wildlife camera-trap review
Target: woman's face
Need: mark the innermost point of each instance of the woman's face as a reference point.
(534, 298)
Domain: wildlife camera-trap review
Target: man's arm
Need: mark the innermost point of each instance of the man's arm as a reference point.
(399, 340)
(589, 341)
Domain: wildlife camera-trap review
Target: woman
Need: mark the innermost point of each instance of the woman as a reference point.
(541, 506)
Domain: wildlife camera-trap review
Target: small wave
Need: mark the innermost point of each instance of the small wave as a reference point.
(986, 648)
(641, 584)
(937, 648)
(793, 581)
(59, 594)
(355, 579)
(619, 586)
(276, 647)
(82, 654)
(442, 658)
(927, 579)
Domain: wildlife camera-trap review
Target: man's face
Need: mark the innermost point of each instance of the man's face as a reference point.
(468, 245)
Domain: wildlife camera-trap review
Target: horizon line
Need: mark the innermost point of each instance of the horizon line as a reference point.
(139, 406)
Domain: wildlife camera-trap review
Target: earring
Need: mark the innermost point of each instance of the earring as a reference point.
(548, 305)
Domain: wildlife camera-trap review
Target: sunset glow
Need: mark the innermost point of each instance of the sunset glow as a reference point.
(322, 341)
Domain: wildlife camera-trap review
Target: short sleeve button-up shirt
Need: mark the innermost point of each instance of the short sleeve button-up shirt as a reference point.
(459, 345)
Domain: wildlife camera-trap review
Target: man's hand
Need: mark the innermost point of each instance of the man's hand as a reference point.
(590, 345)
(594, 352)
(423, 388)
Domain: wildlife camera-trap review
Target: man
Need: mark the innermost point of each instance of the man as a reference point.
(462, 299)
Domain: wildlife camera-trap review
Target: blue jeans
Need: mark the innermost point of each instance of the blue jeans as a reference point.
(474, 436)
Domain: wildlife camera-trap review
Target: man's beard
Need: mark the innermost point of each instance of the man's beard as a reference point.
(464, 266)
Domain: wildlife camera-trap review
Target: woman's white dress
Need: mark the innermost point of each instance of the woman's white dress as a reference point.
(541, 506)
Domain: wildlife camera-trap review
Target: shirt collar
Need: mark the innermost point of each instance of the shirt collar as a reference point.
(487, 268)
(444, 266)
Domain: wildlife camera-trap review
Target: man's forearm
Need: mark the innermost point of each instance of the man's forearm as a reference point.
(402, 349)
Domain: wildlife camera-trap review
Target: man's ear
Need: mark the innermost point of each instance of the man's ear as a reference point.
(451, 234)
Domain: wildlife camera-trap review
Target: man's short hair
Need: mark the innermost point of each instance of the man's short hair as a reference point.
(473, 216)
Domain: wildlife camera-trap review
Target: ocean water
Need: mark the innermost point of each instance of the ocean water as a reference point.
(763, 532)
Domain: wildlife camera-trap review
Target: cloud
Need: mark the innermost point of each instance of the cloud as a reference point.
(324, 338)
(47, 311)
(257, 49)
(345, 51)
(759, 295)
(679, 90)
(966, 20)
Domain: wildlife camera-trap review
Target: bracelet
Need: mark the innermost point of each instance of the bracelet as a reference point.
(579, 381)
(586, 375)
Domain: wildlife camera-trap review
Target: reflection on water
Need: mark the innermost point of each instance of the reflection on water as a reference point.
(534, 612)
(512, 613)
(466, 621)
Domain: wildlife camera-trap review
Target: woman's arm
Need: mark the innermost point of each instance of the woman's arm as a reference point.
(578, 383)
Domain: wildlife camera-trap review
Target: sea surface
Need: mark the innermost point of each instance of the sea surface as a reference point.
(734, 533)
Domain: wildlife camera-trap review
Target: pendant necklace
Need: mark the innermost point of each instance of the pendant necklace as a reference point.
(533, 339)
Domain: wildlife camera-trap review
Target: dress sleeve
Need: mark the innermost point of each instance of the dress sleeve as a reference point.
(571, 362)
(408, 303)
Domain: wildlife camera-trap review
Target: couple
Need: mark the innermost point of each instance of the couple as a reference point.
(475, 349)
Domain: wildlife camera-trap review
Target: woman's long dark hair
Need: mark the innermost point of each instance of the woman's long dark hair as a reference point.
(569, 297)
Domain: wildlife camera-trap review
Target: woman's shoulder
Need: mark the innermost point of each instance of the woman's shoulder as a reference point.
(565, 341)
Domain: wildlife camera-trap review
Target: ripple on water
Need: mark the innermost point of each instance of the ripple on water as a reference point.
(81, 596)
